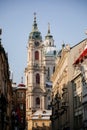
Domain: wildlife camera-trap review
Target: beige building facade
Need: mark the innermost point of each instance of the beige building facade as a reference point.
(80, 90)
(62, 101)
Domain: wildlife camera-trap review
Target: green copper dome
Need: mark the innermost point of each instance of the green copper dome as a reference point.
(35, 34)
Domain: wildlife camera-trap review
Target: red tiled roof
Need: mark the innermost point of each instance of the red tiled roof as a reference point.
(21, 85)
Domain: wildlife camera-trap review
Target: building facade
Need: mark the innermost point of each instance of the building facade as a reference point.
(80, 90)
(62, 101)
(40, 65)
(77, 98)
(5, 91)
(19, 106)
(41, 120)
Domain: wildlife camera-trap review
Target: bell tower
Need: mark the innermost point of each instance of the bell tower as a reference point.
(35, 72)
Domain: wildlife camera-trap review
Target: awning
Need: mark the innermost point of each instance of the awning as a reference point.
(82, 55)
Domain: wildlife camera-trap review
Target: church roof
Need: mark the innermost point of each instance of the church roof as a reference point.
(21, 86)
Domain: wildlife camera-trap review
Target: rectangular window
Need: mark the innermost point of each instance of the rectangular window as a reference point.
(74, 86)
(75, 102)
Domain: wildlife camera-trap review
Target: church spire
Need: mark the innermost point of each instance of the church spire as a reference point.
(35, 34)
(34, 17)
(35, 28)
(48, 36)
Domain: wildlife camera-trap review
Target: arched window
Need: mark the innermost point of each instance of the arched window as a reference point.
(37, 101)
(36, 55)
(37, 78)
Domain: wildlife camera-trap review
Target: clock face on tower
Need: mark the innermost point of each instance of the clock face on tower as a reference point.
(36, 43)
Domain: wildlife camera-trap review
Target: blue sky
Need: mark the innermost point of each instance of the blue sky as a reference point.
(67, 18)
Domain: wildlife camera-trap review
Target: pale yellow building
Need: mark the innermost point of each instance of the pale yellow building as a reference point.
(62, 102)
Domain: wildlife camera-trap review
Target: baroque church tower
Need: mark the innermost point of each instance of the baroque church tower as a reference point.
(35, 73)
(40, 66)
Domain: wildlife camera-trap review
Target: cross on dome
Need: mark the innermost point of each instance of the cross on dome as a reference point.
(48, 28)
